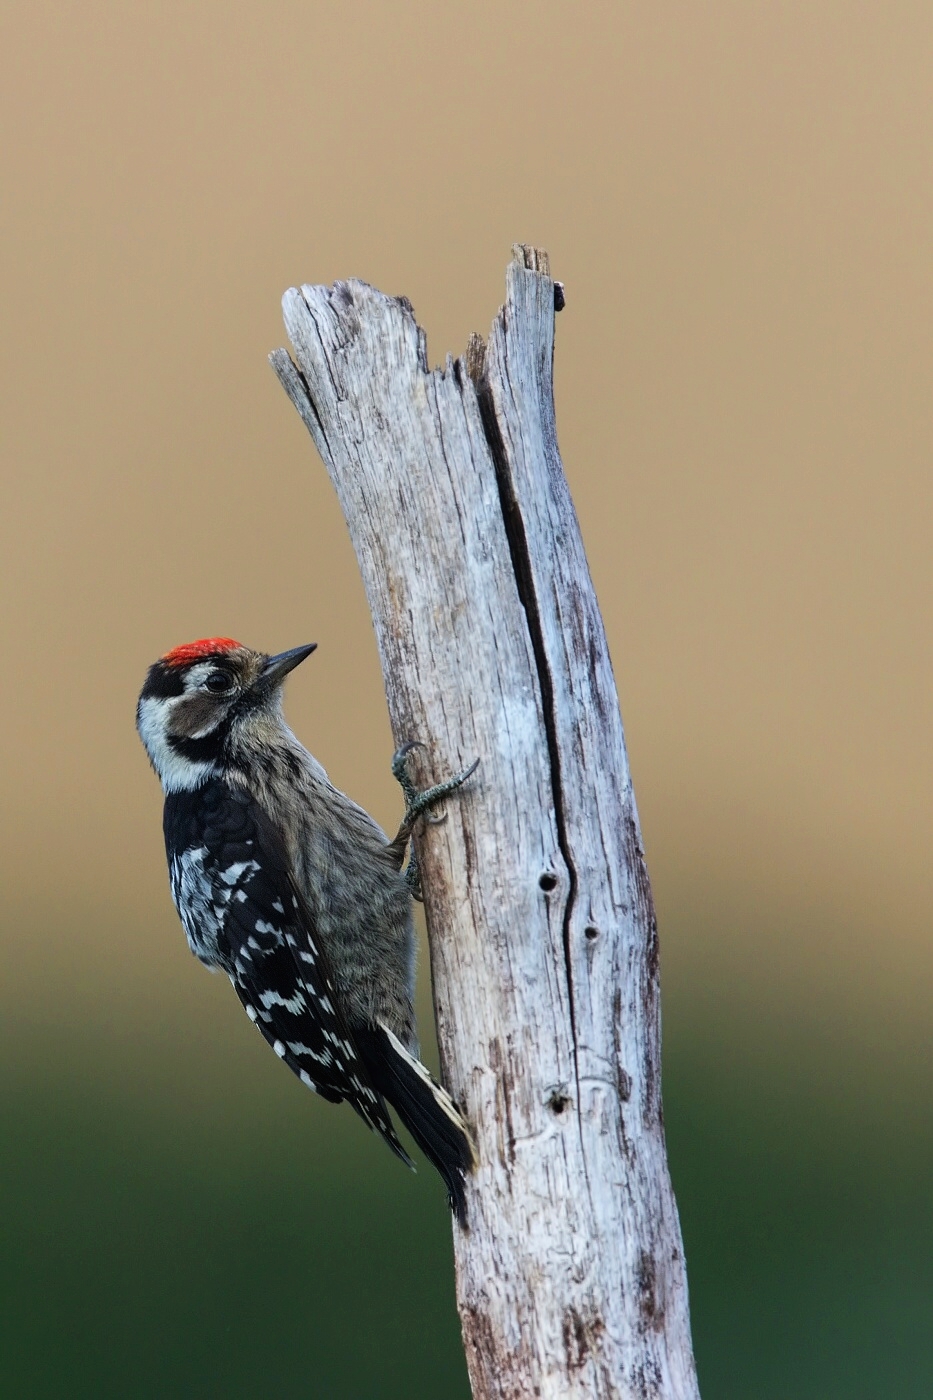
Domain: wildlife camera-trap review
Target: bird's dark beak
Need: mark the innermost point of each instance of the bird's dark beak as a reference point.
(278, 667)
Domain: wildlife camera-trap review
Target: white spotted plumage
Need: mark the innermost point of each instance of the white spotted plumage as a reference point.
(202, 901)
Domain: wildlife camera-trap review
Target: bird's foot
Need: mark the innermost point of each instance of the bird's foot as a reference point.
(417, 805)
(412, 877)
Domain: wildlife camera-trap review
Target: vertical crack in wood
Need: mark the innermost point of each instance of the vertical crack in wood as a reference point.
(521, 563)
(294, 382)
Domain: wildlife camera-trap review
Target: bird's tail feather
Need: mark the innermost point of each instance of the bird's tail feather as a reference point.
(426, 1109)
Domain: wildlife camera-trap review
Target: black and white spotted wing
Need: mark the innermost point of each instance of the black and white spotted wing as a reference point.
(241, 912)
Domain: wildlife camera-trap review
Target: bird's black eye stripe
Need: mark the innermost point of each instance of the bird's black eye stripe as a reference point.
(219, 682)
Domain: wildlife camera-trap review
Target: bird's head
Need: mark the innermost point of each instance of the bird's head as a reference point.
(197, 697)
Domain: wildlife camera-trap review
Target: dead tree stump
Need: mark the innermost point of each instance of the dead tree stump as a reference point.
(544, 950)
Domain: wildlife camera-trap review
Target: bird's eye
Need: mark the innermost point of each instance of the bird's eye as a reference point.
(219, 682)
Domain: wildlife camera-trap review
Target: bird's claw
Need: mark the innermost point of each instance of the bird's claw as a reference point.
(418, 805)
(400, 771)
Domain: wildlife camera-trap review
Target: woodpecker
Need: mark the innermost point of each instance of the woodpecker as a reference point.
(294, 891)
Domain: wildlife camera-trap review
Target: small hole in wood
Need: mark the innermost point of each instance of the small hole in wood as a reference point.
(548, 881)
(590, 933)
(558, 1101)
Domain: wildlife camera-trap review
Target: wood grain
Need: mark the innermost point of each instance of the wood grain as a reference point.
(571, 1278)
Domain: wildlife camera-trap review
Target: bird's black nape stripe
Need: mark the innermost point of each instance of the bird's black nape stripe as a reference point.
(206, 750)
(163, 682)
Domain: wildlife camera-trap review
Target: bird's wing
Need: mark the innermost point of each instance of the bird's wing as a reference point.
(233, 888)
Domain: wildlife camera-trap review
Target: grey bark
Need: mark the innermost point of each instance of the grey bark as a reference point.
(544, 951)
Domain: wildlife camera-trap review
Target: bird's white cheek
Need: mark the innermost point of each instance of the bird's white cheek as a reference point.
(205, 729)
(176, 773)
(152, 722)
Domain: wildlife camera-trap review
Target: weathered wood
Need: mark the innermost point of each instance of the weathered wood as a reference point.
(570, 1278)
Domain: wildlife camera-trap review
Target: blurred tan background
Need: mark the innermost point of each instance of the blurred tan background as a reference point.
(738, 200)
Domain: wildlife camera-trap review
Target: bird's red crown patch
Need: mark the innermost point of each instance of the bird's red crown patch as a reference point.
(197, 651)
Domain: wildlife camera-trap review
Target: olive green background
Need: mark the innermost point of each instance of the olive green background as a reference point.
(738, 199)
